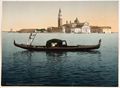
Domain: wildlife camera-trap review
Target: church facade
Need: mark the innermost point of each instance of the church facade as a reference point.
(76, 27)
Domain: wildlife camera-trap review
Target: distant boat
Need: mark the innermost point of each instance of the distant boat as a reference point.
(58, 45)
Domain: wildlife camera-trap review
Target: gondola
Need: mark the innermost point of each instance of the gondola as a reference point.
(58, 45)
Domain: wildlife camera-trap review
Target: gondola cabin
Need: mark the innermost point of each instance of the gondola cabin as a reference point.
(56, 43)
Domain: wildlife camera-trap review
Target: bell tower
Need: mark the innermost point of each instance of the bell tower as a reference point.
(59, 19)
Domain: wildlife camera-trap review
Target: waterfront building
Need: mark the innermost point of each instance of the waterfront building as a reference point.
(106, 30)
(86, 28)
(54, 29)
(76, 26)
(102, 29)
(77, 30)
(96, 29)
(27, 30)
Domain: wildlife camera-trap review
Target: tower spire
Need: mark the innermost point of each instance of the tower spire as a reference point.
(59, 18)
(59, 10)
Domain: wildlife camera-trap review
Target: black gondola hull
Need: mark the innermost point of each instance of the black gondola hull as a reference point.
(65, 48)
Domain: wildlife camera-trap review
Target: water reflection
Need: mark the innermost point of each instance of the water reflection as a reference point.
(26, 52)
(90, 52)
(60, 75)
(56, 54)
(54, 70)
(95, 70)
(22, 63)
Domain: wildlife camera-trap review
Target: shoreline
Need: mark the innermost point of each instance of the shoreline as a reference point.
(60, 32)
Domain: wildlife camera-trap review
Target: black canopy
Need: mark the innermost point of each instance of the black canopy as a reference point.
(55, 43)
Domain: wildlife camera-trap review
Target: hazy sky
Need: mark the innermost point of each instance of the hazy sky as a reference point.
(43, 14)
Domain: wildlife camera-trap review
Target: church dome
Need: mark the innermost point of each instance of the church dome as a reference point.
(86, 24)
(76, 20)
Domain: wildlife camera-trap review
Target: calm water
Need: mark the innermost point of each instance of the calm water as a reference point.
(97, 68)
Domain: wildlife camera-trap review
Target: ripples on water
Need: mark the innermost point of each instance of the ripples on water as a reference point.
(95, 68)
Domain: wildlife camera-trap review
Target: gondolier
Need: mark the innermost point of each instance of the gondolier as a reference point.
(31, 38)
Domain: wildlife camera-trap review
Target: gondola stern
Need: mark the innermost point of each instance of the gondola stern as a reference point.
(99, 44)
(100, 41)
(14, 42)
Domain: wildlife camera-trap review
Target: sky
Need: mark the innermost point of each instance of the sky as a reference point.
(42, 14)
